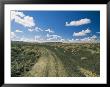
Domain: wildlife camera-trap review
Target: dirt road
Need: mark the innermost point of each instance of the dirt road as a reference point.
(52, 65)
(48, 65)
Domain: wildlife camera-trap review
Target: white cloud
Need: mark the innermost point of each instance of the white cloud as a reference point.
(20, 18)
(85, 39)
(82, 33)
(13, 35)
(71, 40)
(18, 31)
(27, 21)
(36, 37)
(54, 37)
(74, 40)
(79, 34)
(87, 31)
(77, 39)
(90, 39)
(49, 30)
(25, 39)
(78, 22)
(30, 30)
(38, 29)
(62, 40)
(93, 37)
(14, 14)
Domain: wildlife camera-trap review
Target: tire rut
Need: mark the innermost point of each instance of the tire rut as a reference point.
(48, 65)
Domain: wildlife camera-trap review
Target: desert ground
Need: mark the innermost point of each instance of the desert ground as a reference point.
(55, 59)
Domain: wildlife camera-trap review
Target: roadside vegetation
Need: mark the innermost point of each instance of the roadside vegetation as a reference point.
(77, 59)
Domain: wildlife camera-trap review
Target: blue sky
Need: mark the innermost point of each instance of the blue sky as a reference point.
(48, 26)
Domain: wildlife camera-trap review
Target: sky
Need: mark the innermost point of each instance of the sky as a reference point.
(55, 26)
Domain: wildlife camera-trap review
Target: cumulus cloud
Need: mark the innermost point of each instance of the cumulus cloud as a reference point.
(77, 39)
(27, 39)
(13, 35)
(74, 40)
(20, 18)
(49, 30)
(40, 39)
(38, 29)
(54, 37)
(85, 39)
(71, 40)
(82, 33)
(14, 14)
(27, 21)
(89, 39)
(30, 30)
(79, 34)
(36, 37)
(87, 31)
(92, 39)
(62, 40)
(19, 31)
(78, 22)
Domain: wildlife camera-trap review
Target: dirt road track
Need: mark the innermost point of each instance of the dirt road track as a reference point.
(48, 65)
